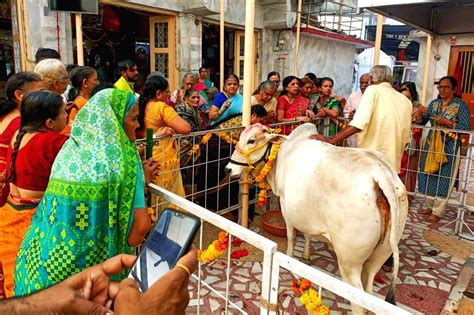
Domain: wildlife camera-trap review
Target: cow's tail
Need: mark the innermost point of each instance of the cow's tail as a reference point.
(392, 193)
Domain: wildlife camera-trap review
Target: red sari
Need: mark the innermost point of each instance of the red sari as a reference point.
(32, 169)
(5, 140)
(292, 110)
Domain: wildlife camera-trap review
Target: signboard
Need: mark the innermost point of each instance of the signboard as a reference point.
(75, 6)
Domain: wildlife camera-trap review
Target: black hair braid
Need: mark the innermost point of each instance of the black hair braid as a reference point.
(16, 147)
(72, 94)
(142, 101)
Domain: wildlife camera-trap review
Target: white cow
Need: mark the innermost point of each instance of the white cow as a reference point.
(353, 197)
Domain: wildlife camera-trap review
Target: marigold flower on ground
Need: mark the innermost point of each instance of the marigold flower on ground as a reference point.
(223, 238)
(309, 297)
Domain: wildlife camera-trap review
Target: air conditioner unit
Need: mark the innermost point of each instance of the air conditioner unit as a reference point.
(281, 15)
(203, 7)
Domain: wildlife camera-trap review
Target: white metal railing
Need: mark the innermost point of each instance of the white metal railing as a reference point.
(329, 283)
(234, 230)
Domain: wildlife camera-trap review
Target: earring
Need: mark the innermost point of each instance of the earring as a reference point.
(85, 85)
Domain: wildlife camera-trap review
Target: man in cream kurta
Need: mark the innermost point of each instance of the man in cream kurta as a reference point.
(383, 119)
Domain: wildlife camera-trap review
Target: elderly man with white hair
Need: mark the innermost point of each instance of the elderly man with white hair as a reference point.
(383, 119)
(53, 74)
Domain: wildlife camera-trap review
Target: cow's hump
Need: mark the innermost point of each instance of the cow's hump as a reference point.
(297, 136)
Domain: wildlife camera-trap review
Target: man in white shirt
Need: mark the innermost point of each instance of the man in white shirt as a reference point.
(353, 103)
(354, 99)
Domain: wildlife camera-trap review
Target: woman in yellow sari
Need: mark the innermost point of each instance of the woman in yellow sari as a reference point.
(164, 121)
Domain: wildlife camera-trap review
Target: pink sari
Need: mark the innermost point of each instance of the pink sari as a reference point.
(292, 110)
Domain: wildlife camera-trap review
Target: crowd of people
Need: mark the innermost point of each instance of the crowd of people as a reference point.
(74, 186)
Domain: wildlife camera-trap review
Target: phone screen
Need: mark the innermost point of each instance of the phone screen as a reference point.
(169, 240)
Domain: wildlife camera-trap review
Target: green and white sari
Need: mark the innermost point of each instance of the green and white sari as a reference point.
(86, 212)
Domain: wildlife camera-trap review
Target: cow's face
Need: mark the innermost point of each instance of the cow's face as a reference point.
(250, 150)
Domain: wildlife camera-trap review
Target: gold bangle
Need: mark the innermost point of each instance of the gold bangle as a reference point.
(184, 268)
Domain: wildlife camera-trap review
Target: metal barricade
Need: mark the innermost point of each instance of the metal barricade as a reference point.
(196, 167)
(200, 164)
(436, 188)
(329, 283)
(234, 230)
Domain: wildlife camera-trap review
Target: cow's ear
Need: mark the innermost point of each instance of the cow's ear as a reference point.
(274, 137)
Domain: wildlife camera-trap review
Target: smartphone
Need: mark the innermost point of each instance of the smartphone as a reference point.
(169, 240)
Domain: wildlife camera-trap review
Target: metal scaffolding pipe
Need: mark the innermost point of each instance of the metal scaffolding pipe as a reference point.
(339, 21)
(79, 40)
(221, 47)
(378, 39)
(298, 33)
(426, 70)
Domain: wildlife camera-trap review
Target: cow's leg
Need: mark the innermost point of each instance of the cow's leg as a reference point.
(373, 265)
(290, 234)
(352, 276)
(307, 243)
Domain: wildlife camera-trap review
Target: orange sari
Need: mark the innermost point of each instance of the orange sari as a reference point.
(80, 102)
(15, 218)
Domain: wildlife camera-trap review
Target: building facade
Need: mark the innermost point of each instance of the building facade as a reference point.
(175, 37)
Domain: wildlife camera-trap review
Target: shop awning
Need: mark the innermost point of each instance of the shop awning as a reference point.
(434, 17)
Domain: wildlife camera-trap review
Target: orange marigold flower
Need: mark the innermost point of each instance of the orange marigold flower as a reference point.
(305, 285)
(295, 286)
(223, 237)
(219, 246)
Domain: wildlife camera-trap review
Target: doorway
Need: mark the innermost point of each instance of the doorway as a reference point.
(211, 51)
(120, 32)
(461, 66)
(233, 52)
(113, 35)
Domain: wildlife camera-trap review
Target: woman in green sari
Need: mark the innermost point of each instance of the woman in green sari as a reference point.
(94, 206)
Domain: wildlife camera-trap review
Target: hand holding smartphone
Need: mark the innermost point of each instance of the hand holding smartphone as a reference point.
(169, 240)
